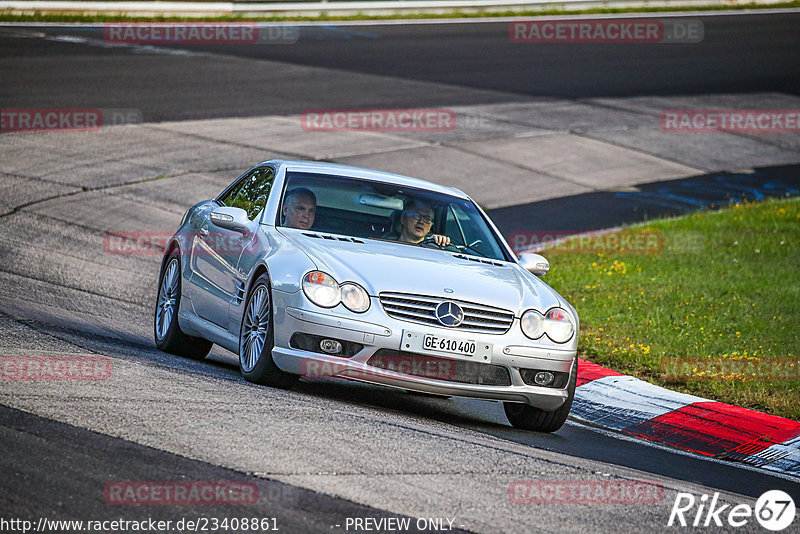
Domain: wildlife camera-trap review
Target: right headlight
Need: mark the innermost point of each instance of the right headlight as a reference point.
(322, 289)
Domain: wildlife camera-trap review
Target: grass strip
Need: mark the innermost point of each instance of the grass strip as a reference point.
(38, 16)
(707, 304)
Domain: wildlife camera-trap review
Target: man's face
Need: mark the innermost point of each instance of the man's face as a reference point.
(299, 212)
(414, 223)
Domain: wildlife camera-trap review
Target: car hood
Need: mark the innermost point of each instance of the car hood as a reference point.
(382, 266)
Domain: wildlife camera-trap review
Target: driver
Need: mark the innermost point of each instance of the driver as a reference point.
(299, 208)
(415, 223)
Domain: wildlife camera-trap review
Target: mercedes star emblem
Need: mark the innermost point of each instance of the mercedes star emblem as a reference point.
(449, 313)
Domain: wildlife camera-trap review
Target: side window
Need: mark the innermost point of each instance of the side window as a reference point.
(251, 192)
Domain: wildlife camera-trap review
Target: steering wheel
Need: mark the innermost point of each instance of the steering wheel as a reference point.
(430, 242)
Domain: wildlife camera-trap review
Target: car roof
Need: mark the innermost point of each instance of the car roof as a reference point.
(366, 174)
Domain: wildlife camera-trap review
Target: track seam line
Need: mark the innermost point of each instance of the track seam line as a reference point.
(153, 126)
(109, 187)
(38, 179)
(26, 277)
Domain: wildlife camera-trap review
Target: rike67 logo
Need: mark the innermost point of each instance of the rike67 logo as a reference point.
(774, 510)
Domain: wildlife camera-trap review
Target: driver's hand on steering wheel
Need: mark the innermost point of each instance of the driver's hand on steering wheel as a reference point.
(440, 240)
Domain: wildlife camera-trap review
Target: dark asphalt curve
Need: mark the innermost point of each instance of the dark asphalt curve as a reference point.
(66, 470)
(739, 54)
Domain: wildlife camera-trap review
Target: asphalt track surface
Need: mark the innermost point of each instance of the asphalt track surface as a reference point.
(739, 54)
(164, 418)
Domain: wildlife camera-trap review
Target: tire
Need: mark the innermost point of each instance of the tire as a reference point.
(166, 331)
(527, 417)
(257, 338)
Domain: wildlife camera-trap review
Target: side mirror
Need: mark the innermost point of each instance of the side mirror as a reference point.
(535, 263)
(230, 218)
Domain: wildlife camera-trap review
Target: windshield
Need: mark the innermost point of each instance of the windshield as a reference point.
(372, 210)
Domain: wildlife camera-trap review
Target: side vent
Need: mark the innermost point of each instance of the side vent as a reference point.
(240, 291)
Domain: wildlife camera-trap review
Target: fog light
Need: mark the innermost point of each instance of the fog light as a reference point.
(543, 378)
(331, 346)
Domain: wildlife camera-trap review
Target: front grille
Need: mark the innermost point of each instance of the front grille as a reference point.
(420, 309)
(436, 368)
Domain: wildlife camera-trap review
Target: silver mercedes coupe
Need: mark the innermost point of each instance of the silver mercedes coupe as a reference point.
(328, 271)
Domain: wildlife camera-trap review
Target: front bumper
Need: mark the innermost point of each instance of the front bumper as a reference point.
(374, 331)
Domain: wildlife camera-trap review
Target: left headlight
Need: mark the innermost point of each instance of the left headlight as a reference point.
(556, 323)
(354, 297)
(532, 324)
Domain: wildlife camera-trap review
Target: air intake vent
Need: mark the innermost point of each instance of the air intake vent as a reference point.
(477, 260)
(434, 368)
(330, 237)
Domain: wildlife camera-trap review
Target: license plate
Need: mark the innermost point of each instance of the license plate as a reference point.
(446, 344)
(466, 349)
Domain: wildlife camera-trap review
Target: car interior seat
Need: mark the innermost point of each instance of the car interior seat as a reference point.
(394, 225)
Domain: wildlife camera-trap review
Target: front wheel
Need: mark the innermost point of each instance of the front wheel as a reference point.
(167, 332)
(529, 418)
(256, 340)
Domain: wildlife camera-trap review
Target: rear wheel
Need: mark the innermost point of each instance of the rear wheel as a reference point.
(256, 340)
(167, 332)
(529, 418)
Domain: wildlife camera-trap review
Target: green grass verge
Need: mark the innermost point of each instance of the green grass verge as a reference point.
(723, 288)
(39, 17)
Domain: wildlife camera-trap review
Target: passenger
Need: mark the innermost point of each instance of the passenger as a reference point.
(415, 223)
(299, 208)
